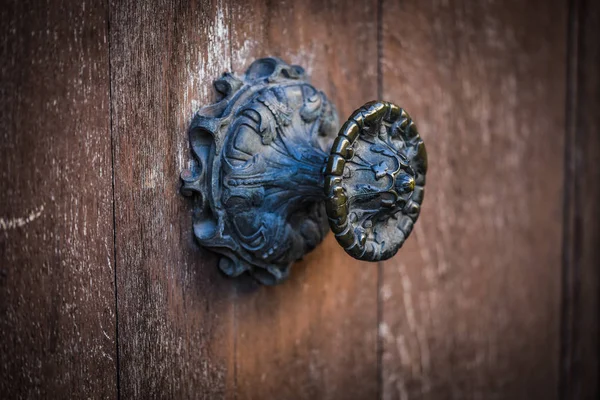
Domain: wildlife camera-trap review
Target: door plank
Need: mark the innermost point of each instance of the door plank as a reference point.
(57, 301)
(471, 304)
(581, 286)
(174, 307)
(315, 336)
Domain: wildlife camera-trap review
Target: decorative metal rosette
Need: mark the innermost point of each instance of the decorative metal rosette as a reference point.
(257, 174)
(374, 181)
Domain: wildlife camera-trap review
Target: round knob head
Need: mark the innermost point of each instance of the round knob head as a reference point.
(374, 181)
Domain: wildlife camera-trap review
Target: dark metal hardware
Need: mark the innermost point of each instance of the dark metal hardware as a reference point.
(268, 183)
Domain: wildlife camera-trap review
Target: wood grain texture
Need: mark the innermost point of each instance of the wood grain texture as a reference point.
(174, 307)
(469, 309)
(57, 321)
(471, 304)
(315, 336)
(580, 373)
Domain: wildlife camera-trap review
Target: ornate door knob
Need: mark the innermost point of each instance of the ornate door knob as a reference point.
(267, 182)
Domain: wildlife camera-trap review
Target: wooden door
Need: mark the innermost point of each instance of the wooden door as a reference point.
(105, 294)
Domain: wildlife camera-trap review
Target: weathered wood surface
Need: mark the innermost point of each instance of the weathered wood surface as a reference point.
(57, 319)
(174, 308)
(315, 336)
(471, 304)
(580, 350)
(495, 296)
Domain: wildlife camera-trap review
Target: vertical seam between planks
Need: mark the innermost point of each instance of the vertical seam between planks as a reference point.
(114, 214)
(379, 338)
(570, 281)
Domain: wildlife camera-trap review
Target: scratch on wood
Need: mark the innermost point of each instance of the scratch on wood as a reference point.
(12, 223)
